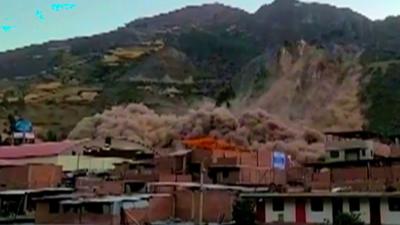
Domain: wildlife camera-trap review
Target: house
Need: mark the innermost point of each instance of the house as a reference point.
(349, 146)
(227, 163)
(355, 146)
(67, 154)
(377, 208)
(110, 210)
(19, 205)
(213, 201)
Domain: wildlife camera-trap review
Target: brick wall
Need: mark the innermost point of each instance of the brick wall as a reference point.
(342, 175)
(30, 176)
(99, 186)
(41, 176)
(160, 208)
(382, 174)
(184, 202)
(217, 205)
(15, 177)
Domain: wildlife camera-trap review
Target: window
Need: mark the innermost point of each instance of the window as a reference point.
(225, 174)
(334, 154)
(70, 209)
(278, 205)
(363, 152)
(394, 204)
(354, 204)
(317, 205)
(97, 208)
(54, 207)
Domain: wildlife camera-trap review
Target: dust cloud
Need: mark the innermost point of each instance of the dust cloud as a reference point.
(253, 129)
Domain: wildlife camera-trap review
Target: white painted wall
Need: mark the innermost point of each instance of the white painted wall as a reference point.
(319, 217)
(364, 209)
(289, 213)
(389, 217)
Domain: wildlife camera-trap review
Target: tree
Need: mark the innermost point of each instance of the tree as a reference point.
(51, 136)
(243, 212)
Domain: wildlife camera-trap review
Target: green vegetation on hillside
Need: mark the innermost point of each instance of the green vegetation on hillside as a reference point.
(219, 52)
(382, 97)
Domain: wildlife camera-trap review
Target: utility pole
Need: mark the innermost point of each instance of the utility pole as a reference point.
(201, 200)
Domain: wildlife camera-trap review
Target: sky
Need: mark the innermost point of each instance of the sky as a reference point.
(25, 22)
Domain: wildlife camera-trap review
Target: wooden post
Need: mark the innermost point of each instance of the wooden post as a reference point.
(201, 197)
(184, 164)
(77, 160)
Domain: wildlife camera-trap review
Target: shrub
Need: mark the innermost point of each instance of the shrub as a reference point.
(243, 212)
(348, 219)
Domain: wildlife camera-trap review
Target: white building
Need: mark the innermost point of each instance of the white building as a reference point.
(375, 208)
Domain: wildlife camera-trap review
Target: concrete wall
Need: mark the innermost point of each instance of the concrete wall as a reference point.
(342, 145)
(389, 217)
(289, 212)
(70, 162)
(364, 209)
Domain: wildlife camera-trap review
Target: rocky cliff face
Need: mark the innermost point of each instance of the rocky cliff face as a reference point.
(313, 86)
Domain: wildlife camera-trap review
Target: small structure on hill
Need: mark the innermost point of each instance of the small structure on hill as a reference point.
(20, 131)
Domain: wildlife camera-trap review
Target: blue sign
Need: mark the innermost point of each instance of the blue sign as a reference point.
(279, 160)
(23, 126)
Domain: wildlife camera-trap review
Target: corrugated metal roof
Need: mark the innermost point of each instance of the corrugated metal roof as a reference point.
(179, 152)
(27, 191)
(210, 186)
(35, 150)
(115, 144)
(109, 199)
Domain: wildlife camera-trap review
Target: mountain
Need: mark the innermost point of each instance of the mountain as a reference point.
(292, 20)
(314, 63)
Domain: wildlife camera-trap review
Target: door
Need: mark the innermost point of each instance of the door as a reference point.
(375, 211)
(337, 208)
(300, 211)
(260, 211)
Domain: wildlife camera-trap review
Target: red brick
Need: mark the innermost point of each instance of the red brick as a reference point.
(382, 174)
(249, 159)
(30, 176)
(264, 158)
(160, 208)
(347, 174)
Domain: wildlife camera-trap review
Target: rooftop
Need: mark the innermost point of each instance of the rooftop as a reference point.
(35, 150)
(29, 191)
(321, 194)
(210, 186)
(110, 199)
(355, 134)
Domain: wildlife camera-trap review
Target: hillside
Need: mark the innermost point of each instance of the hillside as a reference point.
(309, 85)
(311, 63)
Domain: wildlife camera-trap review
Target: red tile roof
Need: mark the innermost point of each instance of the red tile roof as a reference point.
(35, 150)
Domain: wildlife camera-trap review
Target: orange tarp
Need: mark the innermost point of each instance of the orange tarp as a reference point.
(210, 143)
